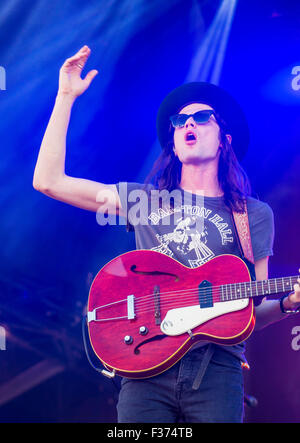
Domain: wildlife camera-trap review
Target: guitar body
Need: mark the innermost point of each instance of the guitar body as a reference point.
(145, 310)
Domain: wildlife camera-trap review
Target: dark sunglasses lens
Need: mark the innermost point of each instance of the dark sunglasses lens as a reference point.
(202, 116)
(178, 120)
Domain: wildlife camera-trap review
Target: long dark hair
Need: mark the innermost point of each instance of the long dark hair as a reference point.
(233, 180)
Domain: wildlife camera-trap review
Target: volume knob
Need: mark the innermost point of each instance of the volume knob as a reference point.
(128, 339)
(143, 330)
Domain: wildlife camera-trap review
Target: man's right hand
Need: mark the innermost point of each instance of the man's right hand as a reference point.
(70, 81)
(49, 175)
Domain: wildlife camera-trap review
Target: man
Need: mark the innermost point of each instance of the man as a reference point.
(203, 133)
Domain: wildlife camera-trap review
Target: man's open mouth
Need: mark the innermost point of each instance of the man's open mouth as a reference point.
(190, 137)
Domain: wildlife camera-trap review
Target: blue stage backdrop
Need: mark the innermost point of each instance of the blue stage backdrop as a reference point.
(50, 251)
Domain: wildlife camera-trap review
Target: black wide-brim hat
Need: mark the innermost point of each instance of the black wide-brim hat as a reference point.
(220, 100)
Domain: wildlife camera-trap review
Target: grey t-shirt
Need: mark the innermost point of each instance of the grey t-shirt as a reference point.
(193, 229)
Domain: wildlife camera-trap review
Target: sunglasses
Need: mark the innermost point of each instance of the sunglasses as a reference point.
(200, 117)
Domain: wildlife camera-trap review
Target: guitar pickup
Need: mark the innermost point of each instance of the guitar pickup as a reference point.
(205, 294)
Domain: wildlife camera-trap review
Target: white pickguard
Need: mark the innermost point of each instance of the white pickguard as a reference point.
(181, 320)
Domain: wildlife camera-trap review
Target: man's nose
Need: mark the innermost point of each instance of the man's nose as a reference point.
(190, 122)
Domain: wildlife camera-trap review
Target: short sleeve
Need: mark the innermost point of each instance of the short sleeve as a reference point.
(261, 222)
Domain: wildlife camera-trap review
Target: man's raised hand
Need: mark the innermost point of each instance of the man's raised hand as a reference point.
(70, 81)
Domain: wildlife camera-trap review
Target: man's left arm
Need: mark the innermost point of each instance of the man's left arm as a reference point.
(269, 311)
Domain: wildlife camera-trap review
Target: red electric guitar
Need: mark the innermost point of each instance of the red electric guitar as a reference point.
(145, 309)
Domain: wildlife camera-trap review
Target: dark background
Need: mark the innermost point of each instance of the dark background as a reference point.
(50, 251)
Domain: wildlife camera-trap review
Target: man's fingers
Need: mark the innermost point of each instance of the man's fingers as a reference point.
(79, 58)
(297, 290)
(90, 76)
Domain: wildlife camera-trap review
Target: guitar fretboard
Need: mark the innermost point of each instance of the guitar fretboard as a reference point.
(250, 289)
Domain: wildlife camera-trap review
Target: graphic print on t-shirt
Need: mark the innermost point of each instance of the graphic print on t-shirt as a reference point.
(194, 226)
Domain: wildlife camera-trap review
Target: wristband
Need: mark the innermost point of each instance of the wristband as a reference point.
(288, 311)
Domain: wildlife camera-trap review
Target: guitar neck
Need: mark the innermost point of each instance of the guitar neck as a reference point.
(251, 289)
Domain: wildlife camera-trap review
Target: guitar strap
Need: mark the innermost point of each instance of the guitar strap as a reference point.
(203, 366)
(241, 224)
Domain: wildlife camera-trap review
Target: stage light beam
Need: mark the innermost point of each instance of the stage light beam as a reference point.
(208, 61)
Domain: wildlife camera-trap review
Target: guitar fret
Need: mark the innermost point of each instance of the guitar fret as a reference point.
(235, 291)
(287, 284)
(224, 292)
(248, 289)
(239, 291)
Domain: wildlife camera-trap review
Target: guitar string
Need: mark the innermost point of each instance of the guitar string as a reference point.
(229, 293)
(213, 289)
(228, 288)
(169, 302)
(187, 299)
(145, 307)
